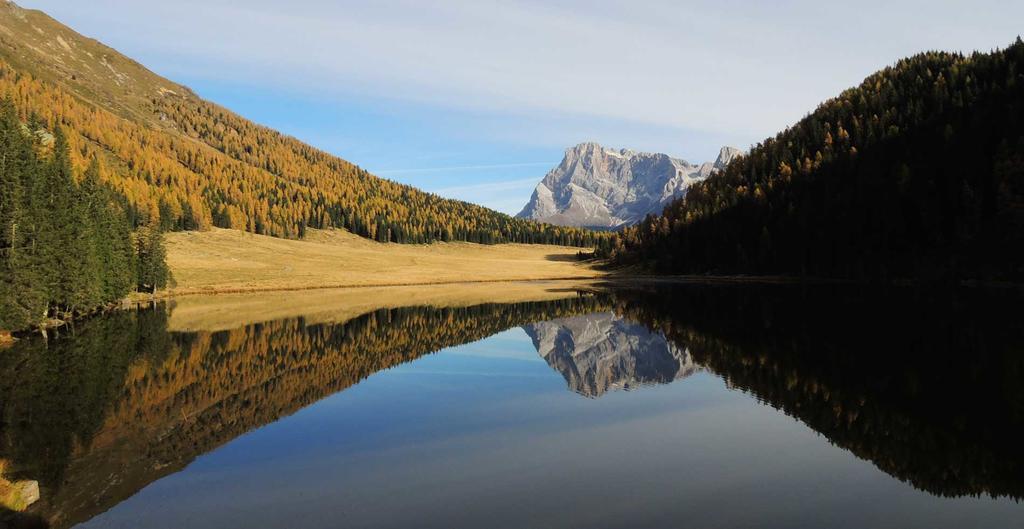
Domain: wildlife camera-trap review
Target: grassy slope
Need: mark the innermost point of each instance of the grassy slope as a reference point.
(221, 261)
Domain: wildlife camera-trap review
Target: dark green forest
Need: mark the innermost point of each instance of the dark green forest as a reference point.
(916, 173)
(66, 245)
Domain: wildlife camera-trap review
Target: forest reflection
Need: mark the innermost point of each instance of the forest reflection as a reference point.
(926, 386)
(97, 412)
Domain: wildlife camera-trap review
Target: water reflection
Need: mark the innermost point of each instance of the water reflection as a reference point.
(925, 386)
(929, 386)
(602, 352)
(97, 412)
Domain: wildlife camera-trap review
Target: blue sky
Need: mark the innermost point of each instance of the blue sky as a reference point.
(477, 99)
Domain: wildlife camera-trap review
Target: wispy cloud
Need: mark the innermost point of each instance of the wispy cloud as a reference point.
(507, 185)
(739, 67)
(387, 172)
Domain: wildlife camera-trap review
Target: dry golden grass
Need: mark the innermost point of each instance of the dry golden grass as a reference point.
(220, 261)
(231, 311)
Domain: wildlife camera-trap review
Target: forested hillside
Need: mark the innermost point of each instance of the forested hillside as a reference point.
(916, 173)
(65, 247)
(190, 164)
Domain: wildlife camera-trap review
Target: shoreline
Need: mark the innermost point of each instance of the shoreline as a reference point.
(595, 281)
(213, 291)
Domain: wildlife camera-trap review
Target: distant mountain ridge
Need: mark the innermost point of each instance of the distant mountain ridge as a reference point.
(599, 187)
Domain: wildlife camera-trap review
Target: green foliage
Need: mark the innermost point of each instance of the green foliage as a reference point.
(152, 259)
(65, 248)
(918, 172)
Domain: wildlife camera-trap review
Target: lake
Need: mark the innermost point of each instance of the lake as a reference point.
(644, 405)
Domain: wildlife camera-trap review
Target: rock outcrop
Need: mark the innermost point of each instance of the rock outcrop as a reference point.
(598, 187)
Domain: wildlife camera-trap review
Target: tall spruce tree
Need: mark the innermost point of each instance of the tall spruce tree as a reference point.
(22, 296)
(153, 273)
(110, 250)
(75, 282)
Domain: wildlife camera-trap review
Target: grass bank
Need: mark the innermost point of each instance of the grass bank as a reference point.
(226, 261)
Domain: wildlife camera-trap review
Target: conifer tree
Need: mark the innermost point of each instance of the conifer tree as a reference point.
(64, 248)
(73, 280)
(22, 296)
(152, 267)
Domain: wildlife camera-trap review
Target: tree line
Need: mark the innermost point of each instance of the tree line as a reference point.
(916, 173)
(67, 245)
(198, 165)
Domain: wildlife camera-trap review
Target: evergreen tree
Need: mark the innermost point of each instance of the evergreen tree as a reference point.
(109, 237)
(152, 266)
(20, 303)
(74, 281)
(64, 248)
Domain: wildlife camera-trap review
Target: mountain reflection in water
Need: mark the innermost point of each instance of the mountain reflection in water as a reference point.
(925, 386)
(599, 352)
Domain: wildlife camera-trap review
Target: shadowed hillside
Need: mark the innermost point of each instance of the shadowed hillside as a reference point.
(916, 173)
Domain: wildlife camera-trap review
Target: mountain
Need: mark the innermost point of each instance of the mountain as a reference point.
(601, 352)
(189, 164)
(599, 187)
(917, 173)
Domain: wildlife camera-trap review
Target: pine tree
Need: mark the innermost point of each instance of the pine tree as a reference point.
(109, 237)
(22, 299)
(152, 266)
(73, 280)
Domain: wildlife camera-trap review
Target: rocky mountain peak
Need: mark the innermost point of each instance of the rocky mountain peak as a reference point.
(726, 155)
(601, 187)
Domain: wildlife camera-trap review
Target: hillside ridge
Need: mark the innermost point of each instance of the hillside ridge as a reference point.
(190, 164)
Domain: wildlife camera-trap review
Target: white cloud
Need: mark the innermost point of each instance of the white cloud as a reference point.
(733, 69)
(454, 168)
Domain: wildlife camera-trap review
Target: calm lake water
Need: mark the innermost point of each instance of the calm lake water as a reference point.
(657, 406)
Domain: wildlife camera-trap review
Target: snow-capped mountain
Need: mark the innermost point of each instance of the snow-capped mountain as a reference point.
(596, 186)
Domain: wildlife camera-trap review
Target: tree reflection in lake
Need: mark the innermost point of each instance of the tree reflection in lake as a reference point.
(97, 412)
(925, 386)
(929, 386)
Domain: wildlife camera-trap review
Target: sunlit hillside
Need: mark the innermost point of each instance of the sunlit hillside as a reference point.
(193, 165)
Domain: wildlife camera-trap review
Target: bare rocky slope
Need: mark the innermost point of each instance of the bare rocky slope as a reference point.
(599, 187)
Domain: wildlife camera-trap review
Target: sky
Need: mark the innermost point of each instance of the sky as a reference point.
(478, 99)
